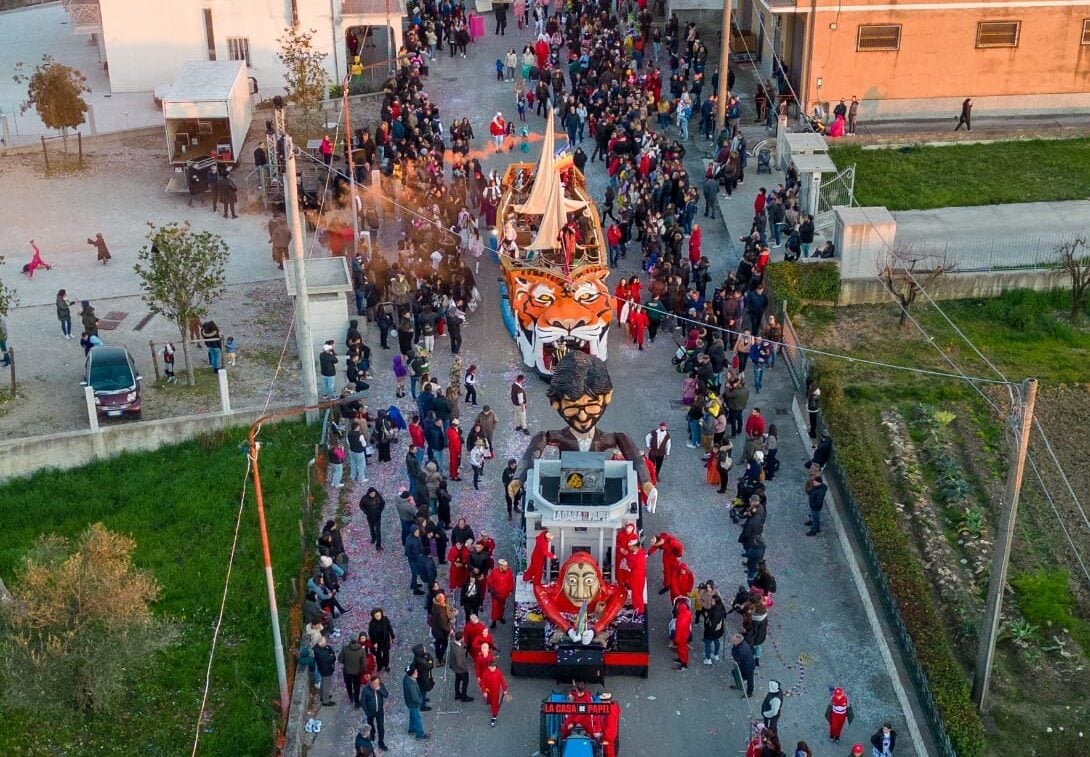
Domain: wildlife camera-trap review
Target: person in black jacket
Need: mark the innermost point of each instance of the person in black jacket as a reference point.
(816, 488)
(744, 667)
(373, 699)
(228, 193)
(424, 664)
(327, 361)
(326, 661)
(381, 634)
(714, 628)
(884, 741)
(806, 234)
(372, 504)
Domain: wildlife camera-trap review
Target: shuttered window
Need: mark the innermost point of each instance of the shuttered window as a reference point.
(238, 48)
(998, 33)
(1086, 31)
(879, 37)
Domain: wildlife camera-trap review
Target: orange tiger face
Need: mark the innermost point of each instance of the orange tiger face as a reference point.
(555, 315)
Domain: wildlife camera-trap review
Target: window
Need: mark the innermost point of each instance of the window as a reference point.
(998, 33)
(1086, 31)
(238, 48)
(879, 37)
(209, 35)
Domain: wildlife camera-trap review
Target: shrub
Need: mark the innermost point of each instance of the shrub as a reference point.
(1045, 598)
(805, 283)
(860, 451)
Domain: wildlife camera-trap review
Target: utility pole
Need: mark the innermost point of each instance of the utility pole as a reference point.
(989, 628)
(356, 202)
(724, 71)
(302, 304)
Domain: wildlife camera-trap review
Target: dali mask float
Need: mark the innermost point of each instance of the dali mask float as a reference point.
(581, 604)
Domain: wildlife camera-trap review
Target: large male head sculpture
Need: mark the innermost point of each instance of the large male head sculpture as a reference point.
(580, 391)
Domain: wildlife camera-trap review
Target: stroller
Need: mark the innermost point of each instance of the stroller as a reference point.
(764, 158)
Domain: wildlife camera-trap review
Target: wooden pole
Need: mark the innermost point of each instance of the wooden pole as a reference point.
(45, 154)
(154, 360)
(79, 146)
(989, 628)
(11, 365)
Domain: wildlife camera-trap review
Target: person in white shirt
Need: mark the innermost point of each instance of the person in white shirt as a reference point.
(658, 446)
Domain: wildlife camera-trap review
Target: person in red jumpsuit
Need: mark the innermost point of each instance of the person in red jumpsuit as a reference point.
(621, 296)
(493, 688)
(620, 552)
(543, 550)
(472, 631)
(838, 711)
(695, 241)
(672, 551)
(637, 582)
(541, 50)
(579, 695)
(637, 325)
(683, 581)
(501, 585)
(608, 727)
(454, 449)
(683, 621)
(458, 557)
(482, 659)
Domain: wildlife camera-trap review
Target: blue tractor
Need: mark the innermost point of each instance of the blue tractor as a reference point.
(575, 741)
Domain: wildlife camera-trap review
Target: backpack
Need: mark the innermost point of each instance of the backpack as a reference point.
(336, 455)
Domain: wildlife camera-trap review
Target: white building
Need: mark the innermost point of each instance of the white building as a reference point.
(145, 42)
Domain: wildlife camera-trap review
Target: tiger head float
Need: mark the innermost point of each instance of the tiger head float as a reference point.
(556, 314)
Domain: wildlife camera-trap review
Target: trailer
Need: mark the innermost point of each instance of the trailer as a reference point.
(207, 112)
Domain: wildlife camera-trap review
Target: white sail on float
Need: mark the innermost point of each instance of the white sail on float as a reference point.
(555, 215)
(538, 199)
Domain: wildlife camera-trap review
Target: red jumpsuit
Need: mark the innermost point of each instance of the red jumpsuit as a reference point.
(620, 552)
(672, 550)
(482, 637)
(584, 720)
(837, 713)
(637, 564)
(501, 584)
(542, 551)
(458, 557)
(635, 290)
(471, 633)
(637, 324)
(493, 687)
(610, 729)
(541, 50)
(682, 632)
(480, 665)
(683, 581)
(454, 449)
(695, 240)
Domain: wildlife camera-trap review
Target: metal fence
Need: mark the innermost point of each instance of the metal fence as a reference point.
(799, 367)
(990, 253)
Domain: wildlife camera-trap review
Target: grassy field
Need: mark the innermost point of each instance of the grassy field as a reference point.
(179, 504)
(920, 178)
(1025, 334)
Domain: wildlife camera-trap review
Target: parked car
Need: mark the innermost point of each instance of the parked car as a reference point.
(112, 375)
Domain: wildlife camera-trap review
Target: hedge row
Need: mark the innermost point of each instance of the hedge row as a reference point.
(815, 283)
(860, 450)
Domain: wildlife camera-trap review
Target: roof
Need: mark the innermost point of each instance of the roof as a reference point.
(205, 80)
(108, 355)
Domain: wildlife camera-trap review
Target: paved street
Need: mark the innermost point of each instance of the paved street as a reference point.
(818, 634)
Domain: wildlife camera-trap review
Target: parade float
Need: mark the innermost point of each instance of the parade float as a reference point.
(581, 604)
(553, 256)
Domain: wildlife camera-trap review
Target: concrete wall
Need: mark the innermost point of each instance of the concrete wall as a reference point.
(938, 63)
(23, 457)
(957, 286)
(863, 236)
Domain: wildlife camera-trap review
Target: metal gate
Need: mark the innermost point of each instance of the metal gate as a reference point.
(838, 190)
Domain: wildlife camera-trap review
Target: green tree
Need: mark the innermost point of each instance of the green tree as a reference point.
(7, 295)
(56, 92)
(304, 72)
(78, 624)
(181, 274)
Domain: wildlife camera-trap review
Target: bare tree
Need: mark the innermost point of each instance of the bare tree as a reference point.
(906, 272)
(1074, 259)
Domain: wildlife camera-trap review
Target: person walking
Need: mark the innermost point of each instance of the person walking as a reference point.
(280, 239)
(837, 713)
(744, 668)
(883, 741)
(772, 706)
(471, 385)
(326, 662)
(518, 399)
(442, 626)
(414, 701)
(477, 456)
(64, 313)
(816, 488)
(459, 666)
(374, 698)
(966, 117)
(102, 251)
(372, 504)
(381, 633)
(658, 446)
(353, 659)
(682, 632)
(501, 585)
(494, 689)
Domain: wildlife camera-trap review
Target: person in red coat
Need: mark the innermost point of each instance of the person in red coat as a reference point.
(458, 557)
(637, 581)
(501, 585)
(472, 631)
(543, 550)
(621, 295)
(620, 552)
(683, 582)
(637, 324)
(755, 423)
(695, 241)
(608, 727)
(635, 290)
(672, 551)
(494, 688)
(578, 695)
(454, 449)
(838, 711)
(683, 622)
